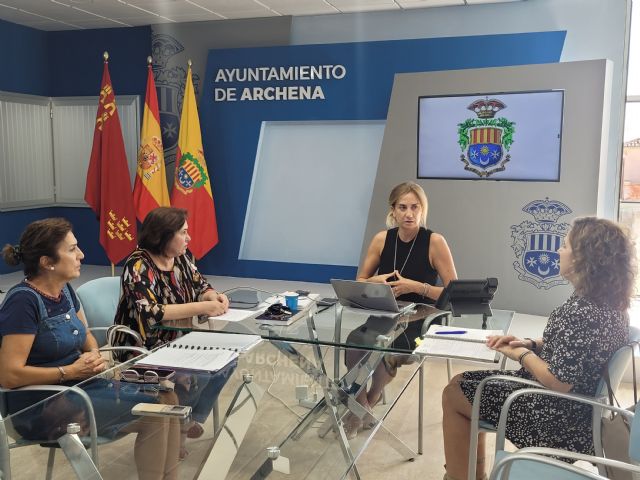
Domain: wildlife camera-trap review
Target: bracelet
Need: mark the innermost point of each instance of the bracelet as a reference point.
(427, 289)
(62, 374)
(534, 344)
(522, 355)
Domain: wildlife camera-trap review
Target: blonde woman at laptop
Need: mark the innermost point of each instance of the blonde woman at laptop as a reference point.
(410, 258)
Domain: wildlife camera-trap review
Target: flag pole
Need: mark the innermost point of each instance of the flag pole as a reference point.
(105, 55)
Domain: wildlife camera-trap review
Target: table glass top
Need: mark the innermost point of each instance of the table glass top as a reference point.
(257, 409)
(334, 324)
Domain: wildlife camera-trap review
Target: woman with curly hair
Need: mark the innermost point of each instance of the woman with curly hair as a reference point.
(597, 258)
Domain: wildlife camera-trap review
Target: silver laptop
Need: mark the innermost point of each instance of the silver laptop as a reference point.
(368, 296)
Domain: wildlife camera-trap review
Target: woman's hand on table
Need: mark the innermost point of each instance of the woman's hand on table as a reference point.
(510, 346)
(87, 365)
(214, 296)
(382, 278)
(213, 308)
(402, 286)
(495, 342)
(222, 298)
(511, 352)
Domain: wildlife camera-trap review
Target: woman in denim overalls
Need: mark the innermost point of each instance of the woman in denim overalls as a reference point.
(44, 340)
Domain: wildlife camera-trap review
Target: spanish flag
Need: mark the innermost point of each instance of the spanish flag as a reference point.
(150, 190)
(191, 185)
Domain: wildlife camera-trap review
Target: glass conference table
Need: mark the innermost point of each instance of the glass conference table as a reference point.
(256, 430)
(368, 336)
(259, 428)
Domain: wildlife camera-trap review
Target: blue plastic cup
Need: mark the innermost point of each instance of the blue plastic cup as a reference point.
(291, 299)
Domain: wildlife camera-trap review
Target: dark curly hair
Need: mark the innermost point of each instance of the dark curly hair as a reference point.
(40, 239)
(603, 262)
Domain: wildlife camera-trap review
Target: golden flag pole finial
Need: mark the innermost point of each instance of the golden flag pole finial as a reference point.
(105, 55)
(189, 63)
(149, 60)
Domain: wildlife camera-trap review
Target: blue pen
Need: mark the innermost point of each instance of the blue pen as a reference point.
(451, 332)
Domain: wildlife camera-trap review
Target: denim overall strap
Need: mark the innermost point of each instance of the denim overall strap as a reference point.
(67, 294)
(59, 338)
(42, 310)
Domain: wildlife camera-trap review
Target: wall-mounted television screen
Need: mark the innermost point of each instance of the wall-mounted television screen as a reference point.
(491, 136)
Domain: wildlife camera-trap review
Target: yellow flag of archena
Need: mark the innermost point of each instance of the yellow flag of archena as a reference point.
(191, 186)
(150, 190)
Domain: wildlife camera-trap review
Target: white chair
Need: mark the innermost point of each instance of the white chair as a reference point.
(99, 299)
(616, 366)
(533, 463)
(10, 439)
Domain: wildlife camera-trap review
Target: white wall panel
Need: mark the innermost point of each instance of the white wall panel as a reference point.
(311, 191)
(73, 126)
(45, 146)
(26, 161)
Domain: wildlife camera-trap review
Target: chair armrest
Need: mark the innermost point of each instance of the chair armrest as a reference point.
(113, 329)
(593, 401)
(46, 388)
(608, 462)
(93, 429)
(505, 464)
(475, 415)
(140, 350)
(475, 409)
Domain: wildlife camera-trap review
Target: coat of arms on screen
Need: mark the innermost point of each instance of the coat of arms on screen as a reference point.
(485, 140)
(536, 243)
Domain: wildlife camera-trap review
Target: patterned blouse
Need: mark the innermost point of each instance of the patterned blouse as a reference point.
(146, 290)
(579, 339)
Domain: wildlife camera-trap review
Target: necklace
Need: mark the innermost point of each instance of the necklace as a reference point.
(395, 252)
(45, 295)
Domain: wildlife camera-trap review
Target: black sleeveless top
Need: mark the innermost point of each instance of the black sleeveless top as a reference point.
(417, 266)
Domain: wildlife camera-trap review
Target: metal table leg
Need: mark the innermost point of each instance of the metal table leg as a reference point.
(77, 454)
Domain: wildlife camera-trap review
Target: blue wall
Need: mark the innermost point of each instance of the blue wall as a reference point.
(75, 60)
(69, 63)
(363, 94)
(24, 59)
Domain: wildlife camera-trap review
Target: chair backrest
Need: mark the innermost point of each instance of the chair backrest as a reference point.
(618, 364)
(99, 299)
(634, 437)
(5, 459)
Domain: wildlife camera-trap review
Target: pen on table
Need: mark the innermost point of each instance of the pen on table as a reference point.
(451, 332)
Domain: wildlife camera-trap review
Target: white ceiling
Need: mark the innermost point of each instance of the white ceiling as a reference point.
(85, 14)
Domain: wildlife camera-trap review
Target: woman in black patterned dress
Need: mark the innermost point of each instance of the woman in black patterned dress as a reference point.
(160, 281)
(580, 337)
